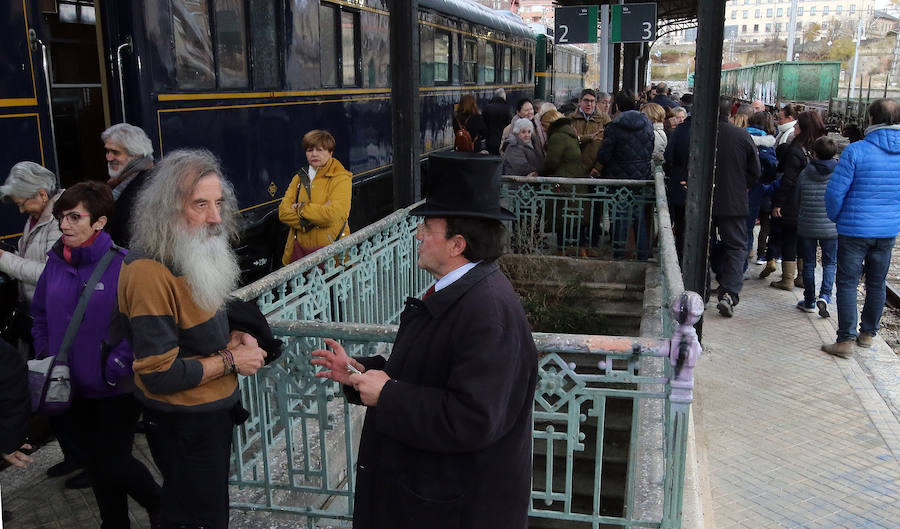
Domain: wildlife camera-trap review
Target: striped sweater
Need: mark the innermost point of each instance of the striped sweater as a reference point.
(169, 333)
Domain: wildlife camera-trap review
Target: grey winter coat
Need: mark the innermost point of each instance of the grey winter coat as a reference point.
(28, 263)
(812, 220)
(520, 158)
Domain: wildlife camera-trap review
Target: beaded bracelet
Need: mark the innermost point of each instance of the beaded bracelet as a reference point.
(227, 361)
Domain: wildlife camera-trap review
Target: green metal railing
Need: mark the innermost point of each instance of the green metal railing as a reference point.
(296, 453)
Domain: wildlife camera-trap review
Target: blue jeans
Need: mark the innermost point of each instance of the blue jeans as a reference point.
(829, 264)
(852, 253)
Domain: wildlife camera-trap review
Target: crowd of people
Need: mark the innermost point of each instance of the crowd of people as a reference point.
(129, 279)
(773, 168)
(148, 251)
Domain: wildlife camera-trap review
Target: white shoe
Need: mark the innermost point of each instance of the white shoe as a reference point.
(760, 260)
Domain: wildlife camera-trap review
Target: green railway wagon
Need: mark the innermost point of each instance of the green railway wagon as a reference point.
(558, 70)
(780, 81)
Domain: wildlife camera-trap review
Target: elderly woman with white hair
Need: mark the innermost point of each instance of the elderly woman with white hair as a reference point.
(34, 190)
(521, 158)
(129, 158)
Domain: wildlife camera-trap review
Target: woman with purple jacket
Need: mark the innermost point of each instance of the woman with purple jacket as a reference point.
(104, 412)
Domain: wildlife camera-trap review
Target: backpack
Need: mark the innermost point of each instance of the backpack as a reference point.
(463, 141)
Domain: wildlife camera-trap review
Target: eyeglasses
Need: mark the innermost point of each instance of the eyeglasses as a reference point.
(423, 228)
(589, 101)
(73, 217)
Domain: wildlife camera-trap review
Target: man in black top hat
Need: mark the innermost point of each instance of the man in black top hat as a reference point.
(447, 436)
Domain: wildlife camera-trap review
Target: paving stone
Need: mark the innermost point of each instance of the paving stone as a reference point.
(806, 438)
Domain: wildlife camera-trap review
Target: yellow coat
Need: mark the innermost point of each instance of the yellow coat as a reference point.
(328, 208)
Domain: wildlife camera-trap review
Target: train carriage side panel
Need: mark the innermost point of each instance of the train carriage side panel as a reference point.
(24, 117)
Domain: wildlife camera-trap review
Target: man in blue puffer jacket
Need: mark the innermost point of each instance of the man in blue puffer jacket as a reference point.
(863, 199)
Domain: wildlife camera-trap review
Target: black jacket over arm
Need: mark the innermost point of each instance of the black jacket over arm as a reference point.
(15, 404)
(449, 443)
(792, 160)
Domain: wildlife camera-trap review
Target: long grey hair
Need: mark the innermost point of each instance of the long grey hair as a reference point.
(158, 216)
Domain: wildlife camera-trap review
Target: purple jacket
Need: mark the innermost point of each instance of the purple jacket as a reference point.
(55, 298)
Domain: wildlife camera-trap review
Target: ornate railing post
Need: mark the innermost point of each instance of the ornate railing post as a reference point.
(683, 351)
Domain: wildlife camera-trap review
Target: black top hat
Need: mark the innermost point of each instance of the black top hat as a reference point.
(463, 185)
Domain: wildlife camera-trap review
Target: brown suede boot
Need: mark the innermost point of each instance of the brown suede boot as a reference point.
(788, 272)
(798, 281)
(865, 339)
(841, 349)
(768, 269)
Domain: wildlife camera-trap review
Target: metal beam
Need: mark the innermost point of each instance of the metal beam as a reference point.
(704, 130)
(404, 101)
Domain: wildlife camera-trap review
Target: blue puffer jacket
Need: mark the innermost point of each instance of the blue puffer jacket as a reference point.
(627, 147)
(863, 195)
(812, 222)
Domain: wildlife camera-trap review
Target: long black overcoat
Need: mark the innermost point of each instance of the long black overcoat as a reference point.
(449, 443)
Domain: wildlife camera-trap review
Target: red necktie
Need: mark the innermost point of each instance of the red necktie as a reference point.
(428, 292)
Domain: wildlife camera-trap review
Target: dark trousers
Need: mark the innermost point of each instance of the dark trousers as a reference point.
(855, 254)
(105, 429)
(192, 451)
(788, 240)
(676, 212)
(63, 428)
(732, 251)
(807, 251)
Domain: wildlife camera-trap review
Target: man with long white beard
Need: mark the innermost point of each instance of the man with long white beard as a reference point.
(129, 159)
(172, 289)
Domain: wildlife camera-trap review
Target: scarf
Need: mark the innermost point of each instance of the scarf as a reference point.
(129, 172)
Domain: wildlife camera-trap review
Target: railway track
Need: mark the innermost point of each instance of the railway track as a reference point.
(892, 297)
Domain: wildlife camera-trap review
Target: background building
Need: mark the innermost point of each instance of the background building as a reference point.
(759, 21)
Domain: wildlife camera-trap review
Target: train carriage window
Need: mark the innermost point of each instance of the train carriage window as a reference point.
(426, 55)
(526, 66)
(518, 73)
(441, 57)
(329, 44)
(193, 44)
(231, 43)
(75, 11)
(489, 62)
(264, 45)
(349, 48)
(470, 61)
(507, 65)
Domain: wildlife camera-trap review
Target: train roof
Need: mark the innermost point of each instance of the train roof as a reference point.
(472, 11)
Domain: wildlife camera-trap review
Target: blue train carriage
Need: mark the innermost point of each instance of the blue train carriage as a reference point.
(559, 70)
(468, 48)
(24, 124)
(244, 79)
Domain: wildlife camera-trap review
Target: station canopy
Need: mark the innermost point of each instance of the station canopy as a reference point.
(673, 15)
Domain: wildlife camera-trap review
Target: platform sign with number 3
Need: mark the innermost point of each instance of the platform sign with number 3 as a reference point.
(632, 23)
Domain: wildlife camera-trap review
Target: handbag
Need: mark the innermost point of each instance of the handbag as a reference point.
(49, 379)
(298, 251)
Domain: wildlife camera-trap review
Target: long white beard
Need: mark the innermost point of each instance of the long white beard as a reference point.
(209, 265)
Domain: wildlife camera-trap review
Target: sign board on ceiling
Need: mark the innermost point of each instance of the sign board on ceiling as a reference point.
(575, 25)
(632, 23)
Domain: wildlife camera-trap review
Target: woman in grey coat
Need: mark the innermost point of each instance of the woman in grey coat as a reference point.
(33, 189)
(814, 229)
(521, 157)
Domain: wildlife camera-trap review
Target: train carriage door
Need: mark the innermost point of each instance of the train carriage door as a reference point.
(69, 38)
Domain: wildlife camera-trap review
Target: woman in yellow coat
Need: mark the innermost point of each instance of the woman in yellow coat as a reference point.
(316, 205)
